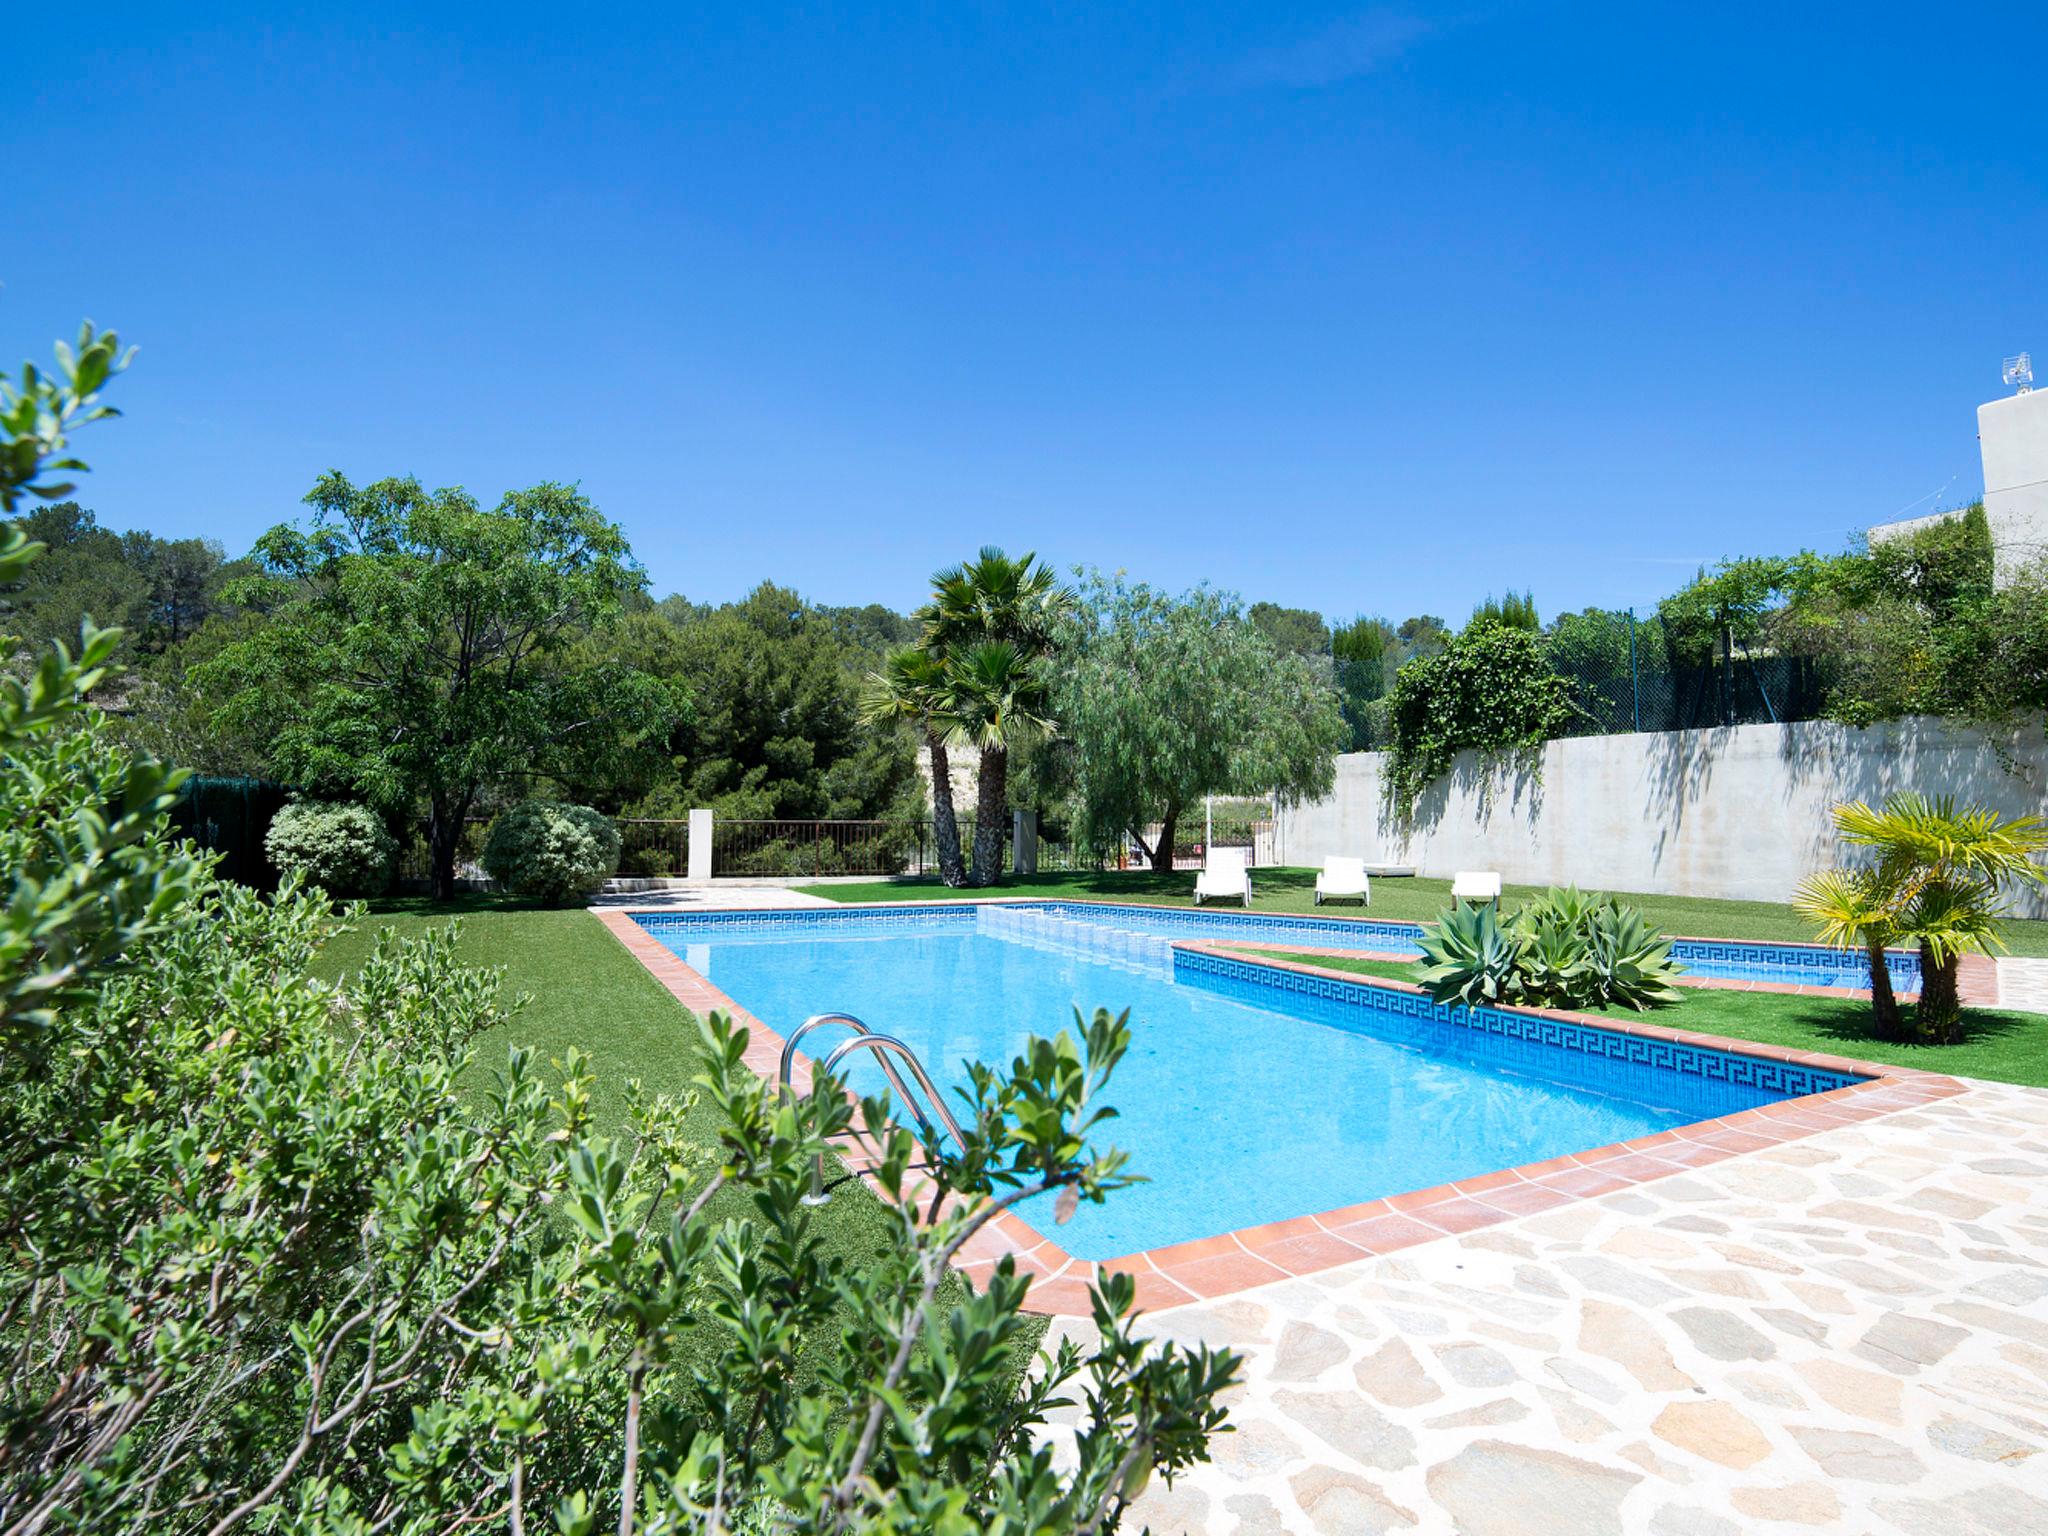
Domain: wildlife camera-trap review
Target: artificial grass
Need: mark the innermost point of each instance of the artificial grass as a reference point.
(584, 990)
(1284, 888)
(1999, 1044)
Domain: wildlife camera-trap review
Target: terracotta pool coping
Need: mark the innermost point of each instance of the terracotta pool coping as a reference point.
(1241, 1260)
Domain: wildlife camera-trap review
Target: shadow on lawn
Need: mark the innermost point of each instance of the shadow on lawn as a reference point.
(419, 904)
(1850, 1024)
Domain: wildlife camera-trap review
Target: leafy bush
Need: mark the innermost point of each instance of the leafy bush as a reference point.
(1565, 949)
(343, 849)
(551, 851)
(274, 1265)
(1490, 691)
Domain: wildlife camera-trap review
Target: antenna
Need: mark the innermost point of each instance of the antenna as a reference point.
(2019, 372)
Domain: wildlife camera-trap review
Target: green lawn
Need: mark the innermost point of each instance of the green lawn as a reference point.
(2006, 1047)
(586, 991)
(1415, 900)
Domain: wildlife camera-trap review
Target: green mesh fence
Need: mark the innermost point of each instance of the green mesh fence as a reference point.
(230, 817)
(1625, 676)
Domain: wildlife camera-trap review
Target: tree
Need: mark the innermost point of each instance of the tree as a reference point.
(159, 591)
(1166, 700)
(1516, 610)
(910, 688)
(1364, 656)
(413, 653)
(1300, 631)
(1939, 879)
(1018, 606)
(776, 730)
(1423, 635)
(1725, 608)
(997, 700)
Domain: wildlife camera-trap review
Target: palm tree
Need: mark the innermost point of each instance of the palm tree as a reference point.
(911, 687)
(994, 600)
(993, 597)
(1939, 880)
(996, 697)
(1848, 907)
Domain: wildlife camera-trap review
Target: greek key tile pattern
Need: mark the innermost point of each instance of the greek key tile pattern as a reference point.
(1607, 1060)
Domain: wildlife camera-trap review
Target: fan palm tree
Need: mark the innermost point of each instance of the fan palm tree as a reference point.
(994, 600)
(996, 698)
(1848, 908)
(1939, 879)
(993, 597)
(910, 687)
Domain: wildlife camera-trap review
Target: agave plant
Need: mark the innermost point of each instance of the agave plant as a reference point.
(1552, 962)
(1566, 948)
(1469, 958)
(1627, 963)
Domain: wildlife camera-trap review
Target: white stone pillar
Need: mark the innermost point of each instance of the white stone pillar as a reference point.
(700, 845)
(1024, 842)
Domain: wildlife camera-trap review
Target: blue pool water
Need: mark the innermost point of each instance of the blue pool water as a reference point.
(1244, 1099)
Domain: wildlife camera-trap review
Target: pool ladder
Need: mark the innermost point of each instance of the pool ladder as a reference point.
(884, 1046)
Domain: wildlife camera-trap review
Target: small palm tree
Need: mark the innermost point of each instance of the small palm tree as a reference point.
(996, 698)
(910, 687)
(1939, 880)
(1849, 908)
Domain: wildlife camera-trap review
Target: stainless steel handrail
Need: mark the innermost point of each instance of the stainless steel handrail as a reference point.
(890, 1044)
(884, 1046)
(820, 1020)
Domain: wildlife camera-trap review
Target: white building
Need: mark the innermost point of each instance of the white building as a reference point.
(2012, 437)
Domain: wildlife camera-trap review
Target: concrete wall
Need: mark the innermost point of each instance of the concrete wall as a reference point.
(1739, 812)
(2013, 436)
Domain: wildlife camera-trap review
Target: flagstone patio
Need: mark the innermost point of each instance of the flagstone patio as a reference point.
(1848, 1332)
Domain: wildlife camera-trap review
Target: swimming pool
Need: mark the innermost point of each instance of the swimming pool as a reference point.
(1249, 1095)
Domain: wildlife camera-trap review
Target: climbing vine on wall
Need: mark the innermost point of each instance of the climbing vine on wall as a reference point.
(1490, 691)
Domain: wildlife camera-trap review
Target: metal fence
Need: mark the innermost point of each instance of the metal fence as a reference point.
(231, 817)
(650, 846)
(1190, 851)
(1626, 675)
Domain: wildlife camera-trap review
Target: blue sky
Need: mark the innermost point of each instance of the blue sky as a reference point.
(1361, 309)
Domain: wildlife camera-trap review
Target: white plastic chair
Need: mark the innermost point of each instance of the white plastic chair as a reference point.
(1227, 873)
(1475, 887)
(1343, 879)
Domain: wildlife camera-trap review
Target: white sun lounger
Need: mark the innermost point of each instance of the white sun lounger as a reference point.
(1475, 887)
(1227, 873)
(1342, 880)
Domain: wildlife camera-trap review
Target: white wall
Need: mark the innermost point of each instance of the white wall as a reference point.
(2013, 436)
(1739, 812)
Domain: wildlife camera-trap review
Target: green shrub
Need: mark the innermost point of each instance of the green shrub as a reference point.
(278, 1261)
(343, 849)
(1564, 949)
(1490, 691)
(551, 851)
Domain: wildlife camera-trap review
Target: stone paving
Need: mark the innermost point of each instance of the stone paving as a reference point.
(1845, 1333)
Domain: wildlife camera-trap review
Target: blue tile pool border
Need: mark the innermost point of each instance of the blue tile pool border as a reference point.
(1780, 955)
(1765, 1074)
